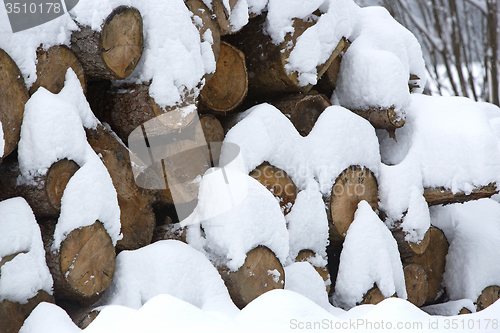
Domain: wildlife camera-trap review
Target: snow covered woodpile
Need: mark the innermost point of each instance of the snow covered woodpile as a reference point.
(219, 150)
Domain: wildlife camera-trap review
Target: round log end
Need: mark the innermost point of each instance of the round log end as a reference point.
(58, 177)
(488, 296)
(417, 286)
(395, 119)
(304, 255)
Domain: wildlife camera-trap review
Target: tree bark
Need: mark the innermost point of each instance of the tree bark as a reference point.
(302, 109)
(51, 68)
(444, 196)
(488, 296)
(433, 261)
(382, 118)
(113, 52)
(353, 185)
(417, 286)
(83, 267)
(136, 214)
(229, 86)
(253, 278)
(327, 83)
(278, 183)
(266, 61)
(44, 193)
(13, 97)
(13, 314)
(304, 255)
(410, 249)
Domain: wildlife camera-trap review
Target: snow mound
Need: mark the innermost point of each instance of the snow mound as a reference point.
(369, 255)
(169, 267)
(446, 141)
(24, 275)
(302, 278)
(473, 230)
(53, 129)
(49, 318)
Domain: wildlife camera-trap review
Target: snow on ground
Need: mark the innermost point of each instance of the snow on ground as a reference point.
(53, 129)
(369, 255)
(473, 231)
(20, 234)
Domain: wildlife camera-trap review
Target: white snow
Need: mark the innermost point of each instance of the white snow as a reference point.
(449, 308)
(27, 273)
(369, 255)
(446, 141)
(473, 231)
(49, 318)
(417, 220)
(53, 129)
(169, 267)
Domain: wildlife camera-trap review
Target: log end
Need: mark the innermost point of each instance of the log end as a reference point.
(488, 296)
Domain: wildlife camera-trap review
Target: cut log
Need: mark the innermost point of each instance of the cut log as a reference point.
(83, 267)
(410, 249)
(327, 83)
(114, 51)
(81, 316)
(278, 183)
(417, 286)
(266, 61)
(413, 83)
(214, 135)
(260, 273)
(170, 231)
(382, 118)
(305, 255)
(13, 315)
(229, 86)
(374, 296)
(444, 196)
(51, 68)
(465, 311)
(13, 97)
(353, 185)
(202, 19)
(433, 262)
(302, 109)
(136, 214)
(222, 15)
(488, 296)
(44, 193)
(126, 107)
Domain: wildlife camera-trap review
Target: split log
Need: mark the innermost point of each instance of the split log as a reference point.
(51, 68)
(433, 261)
(374, 296)
(44, 193)
(13, 314)
(353, 185)
(266, 61)
(303, 109)
(383, 118)
(410, 249)
(327, 83)
(417, 286)
(488, 296)
(305, 255)
(13, 97)
(214, 135)
(202, 19)
(229, 85)
(113, 52)
(278, 183)
(444, 196)
(83, 267)
(126, 107)
(255, 277)
(136, 214)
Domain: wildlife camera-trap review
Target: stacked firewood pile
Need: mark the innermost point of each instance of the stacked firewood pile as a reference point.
(250, 70)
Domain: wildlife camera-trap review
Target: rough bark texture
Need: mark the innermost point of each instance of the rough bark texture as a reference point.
(13, 97)
(44, 193)
(304, 255)
(229, 85)
(84, 265)
(51, 68)
(113, 52)
(488, 296)
(417, 286)
(13, 315)
(433, 261)
(327, 83)
(382, 118)
(302, 109)
(279, 183)
(444, 196)
(136, 214)
(410, 249)
(266, 61)
(353, 185)
(253, 278)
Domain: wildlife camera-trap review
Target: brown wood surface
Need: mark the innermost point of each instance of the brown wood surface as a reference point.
(417, 285)
(304, 255)
(488, 296)
(214, 135)
(327, 83)
(444, 196)
(410, 249)
(222, 15)
(382, 118)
